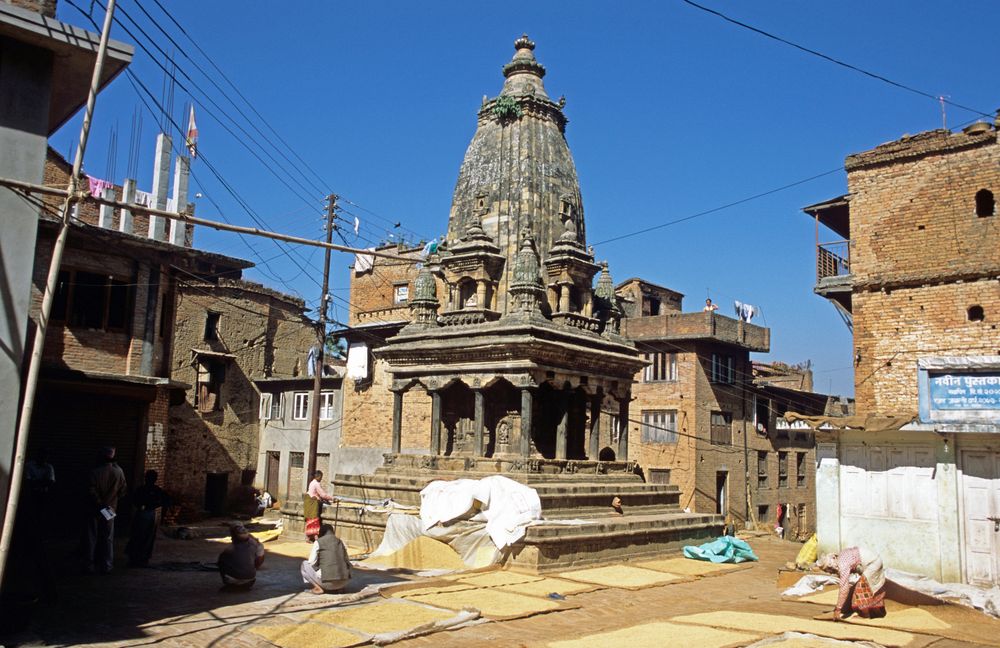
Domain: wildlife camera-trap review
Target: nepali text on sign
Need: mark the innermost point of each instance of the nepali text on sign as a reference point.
(978, 391)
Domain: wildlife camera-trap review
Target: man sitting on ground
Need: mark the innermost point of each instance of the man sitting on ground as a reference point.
(239, 562)
(328, 568)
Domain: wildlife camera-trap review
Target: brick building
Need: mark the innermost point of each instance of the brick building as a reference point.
(46, 68)
(228, 333)
(106, 374)
(701, 422)
(286, 407)
(914, 269)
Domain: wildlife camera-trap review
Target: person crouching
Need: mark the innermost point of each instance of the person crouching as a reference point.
(328, 568)
(239, 562)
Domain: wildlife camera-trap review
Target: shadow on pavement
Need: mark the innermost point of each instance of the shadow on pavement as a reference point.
(146, 606)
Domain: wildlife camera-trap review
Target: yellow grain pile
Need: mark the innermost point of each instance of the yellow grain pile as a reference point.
(623, 576)
(420, 554)
(308, 635)
(656, 635)
(776, 624)
(387, 616)
(492, 603)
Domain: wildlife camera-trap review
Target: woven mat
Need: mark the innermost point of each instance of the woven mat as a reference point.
(621, 576)
(308, 635)
(393, 615)
(497, 578)
(548, 586)
(950, 621)
(493, 603)
(417, 588)
(688, 567)
(777, 624)
(656, 635)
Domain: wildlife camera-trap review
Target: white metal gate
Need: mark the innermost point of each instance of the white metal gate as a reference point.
(981, 500)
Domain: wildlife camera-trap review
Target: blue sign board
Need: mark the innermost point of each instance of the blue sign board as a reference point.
(965, 391)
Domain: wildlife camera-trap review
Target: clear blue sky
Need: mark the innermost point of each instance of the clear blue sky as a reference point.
(672, 112)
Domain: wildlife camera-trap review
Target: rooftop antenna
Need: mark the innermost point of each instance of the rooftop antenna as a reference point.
(944, 116)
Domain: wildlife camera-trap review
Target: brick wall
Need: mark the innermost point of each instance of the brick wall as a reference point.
(158, 422)
(695, 462)
(75, 347)
(893, 329)
(372, 297)
(920, 258)
(368, 414)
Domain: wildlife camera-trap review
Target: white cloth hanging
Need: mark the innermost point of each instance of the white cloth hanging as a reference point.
(357, 361)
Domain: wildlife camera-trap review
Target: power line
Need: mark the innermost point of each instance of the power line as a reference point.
(720, 207)
(251, 106)
(833, 60)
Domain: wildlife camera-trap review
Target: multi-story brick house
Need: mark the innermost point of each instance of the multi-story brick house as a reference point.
(286, 408)
(700, 421)
(106, 376)
(914, 269)
(227, 335)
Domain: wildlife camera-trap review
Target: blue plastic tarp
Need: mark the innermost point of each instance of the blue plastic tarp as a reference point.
(725, 549)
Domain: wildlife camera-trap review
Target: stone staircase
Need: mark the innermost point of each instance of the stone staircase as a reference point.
(652, 524)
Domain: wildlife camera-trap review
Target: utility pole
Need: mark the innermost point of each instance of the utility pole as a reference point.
(331, 209)
(73, 194)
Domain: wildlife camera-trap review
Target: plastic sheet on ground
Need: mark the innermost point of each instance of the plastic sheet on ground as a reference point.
(809, 584)
(984, 599)
(725, 549)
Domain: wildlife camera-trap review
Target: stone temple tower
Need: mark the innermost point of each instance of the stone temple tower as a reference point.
(518, 171)
(518, 349)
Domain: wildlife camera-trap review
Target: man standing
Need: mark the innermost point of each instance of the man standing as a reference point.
(107, 484)
(328, 568)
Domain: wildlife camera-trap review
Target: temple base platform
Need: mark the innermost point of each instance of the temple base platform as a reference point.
(652, 524)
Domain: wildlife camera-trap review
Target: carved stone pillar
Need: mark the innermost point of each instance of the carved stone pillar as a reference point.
(564, 298)
(527, 420)
(397, 421)
(561, 427)
(595, 425)
(479, 423)
(623, 427)
(481, 294)
(435, 422)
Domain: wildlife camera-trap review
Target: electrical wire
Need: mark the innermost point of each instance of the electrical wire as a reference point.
(835, 61)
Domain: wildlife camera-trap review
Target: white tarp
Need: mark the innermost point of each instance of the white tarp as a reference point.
(980, 598)
(505, 505)
(364, 262)
(357, 361)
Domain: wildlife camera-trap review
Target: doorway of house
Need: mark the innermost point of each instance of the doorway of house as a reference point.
(216, 490)
(981, 526)
(721, 492)
(271, 472)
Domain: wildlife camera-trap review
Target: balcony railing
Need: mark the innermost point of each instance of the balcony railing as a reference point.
(833, 259)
